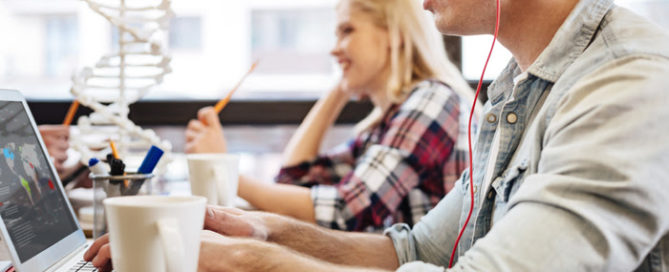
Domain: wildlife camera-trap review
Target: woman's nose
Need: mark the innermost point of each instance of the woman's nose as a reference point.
(336, 50)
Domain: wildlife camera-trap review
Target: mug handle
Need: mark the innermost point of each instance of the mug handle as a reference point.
(168, 228)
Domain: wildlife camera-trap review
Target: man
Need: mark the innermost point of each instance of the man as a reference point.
(570, 165)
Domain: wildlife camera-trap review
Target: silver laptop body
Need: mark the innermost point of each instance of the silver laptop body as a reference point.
(37, 222)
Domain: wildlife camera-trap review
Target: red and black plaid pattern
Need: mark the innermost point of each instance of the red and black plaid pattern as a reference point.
(394, 173)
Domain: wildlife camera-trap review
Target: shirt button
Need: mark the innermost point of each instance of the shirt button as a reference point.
(512, 118)
(491, 118)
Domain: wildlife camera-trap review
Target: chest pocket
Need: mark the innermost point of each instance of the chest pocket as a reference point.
(508, 183)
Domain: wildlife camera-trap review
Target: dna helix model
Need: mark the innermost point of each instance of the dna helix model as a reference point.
(122, 78)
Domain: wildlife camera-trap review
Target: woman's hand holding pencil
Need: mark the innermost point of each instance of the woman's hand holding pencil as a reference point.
(205, 135)
(57, 138)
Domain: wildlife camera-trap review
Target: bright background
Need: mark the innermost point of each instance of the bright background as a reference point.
(211, 43)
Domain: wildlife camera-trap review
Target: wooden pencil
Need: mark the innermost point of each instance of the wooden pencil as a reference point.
(223, 102)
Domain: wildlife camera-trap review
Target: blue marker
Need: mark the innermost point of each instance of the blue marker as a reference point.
(151, 160)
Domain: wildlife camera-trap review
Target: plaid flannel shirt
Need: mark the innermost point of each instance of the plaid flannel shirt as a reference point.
(397, 171)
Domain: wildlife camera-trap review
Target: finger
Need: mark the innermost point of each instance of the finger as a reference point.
(61, 134)
(216, 221)
(56, 145)
(59, 156)
(63, 145)
(206, 235)
(60, 169)
(48, 141)
(95, 247)
(59, 164)
(191, 135)
(211, 208)
(196, 126)
(208, 116)
(209, 211)
(214, 237)
(230, 210)
(56, 130)
(228, 224)
(106, 268)
(103, 257)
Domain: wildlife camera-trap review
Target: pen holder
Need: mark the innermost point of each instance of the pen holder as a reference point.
(106, 186)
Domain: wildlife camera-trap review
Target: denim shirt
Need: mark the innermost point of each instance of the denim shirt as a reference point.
(580, 179)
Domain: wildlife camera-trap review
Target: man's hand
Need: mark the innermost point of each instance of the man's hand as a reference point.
(237, 223)
(247, 252)
(99, 254)
(219, 253)
(228, 221)
(57, 141)
(205, 135)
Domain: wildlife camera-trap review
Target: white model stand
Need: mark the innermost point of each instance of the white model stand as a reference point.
(121, 78)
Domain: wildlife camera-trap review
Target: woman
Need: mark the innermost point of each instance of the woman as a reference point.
(406, 154)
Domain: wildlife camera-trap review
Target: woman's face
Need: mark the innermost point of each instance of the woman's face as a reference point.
(362, 51)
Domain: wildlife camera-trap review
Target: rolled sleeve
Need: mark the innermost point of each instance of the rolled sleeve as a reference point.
(405, 245)
(432, 239)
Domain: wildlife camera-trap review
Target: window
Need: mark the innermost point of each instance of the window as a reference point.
(211, 44)
(475, 49)
(61, 45)
(293, 41)
(185, 33)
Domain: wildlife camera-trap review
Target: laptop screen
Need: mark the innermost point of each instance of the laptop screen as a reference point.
(32, 207)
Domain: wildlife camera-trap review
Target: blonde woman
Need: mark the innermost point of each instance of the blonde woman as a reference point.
(406, 154)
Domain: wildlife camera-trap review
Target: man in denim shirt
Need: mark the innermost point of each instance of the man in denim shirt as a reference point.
(570, 169)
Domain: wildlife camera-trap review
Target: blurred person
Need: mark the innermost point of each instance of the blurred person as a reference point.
(57, 141)
(406, 154)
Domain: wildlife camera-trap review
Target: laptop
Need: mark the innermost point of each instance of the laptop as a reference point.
(37, 223)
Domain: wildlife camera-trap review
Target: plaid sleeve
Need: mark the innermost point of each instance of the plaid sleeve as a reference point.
(327, 168)
(410, 155)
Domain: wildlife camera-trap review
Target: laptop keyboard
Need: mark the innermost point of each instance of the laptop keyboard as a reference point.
(83, 266)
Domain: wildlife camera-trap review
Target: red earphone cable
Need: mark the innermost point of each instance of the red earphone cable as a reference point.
(469, 136)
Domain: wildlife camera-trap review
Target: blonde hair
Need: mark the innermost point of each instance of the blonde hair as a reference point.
(417, 51)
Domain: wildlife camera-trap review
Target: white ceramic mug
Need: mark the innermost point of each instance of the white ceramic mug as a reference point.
(214, 176)
(155, 233)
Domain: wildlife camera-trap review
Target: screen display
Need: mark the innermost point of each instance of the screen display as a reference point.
(31, 204)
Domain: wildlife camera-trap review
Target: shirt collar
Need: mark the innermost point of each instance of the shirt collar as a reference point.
(569, 42)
